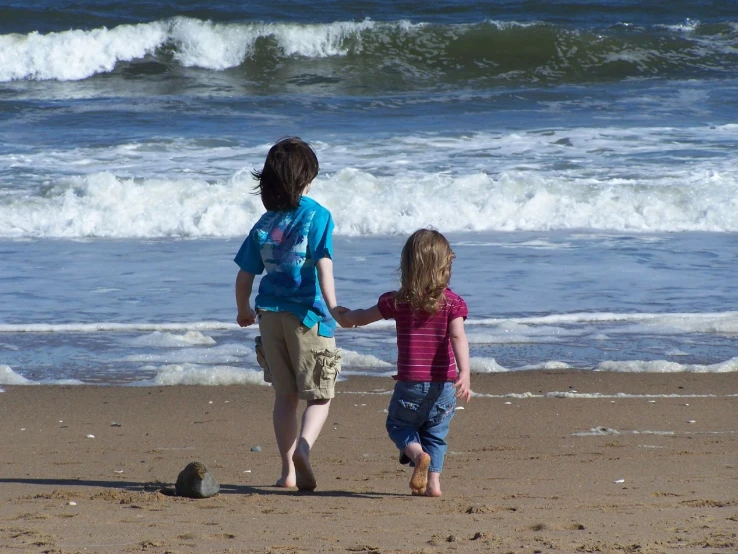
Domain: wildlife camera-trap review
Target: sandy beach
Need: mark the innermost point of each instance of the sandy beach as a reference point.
(650, 465)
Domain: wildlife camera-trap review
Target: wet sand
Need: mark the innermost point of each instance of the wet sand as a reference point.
(651, 465)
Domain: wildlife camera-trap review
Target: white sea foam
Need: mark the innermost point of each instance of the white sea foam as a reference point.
(353, 359)
(687, 26)
(518, 189)
(550, 365)
(168, 340)
(75, 54)
(664, 366)
(478, 364)
(514, 332)
(221, 354)
(78, 54)
(720, 323)
(10, 377)
(103, 205)
(196, 374)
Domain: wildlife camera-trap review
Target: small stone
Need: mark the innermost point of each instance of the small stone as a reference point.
(256, 449)
(195, 481)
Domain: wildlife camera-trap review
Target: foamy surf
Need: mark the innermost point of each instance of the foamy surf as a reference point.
(106, 206)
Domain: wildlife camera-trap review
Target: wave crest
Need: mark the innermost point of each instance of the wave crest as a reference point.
(481, 52)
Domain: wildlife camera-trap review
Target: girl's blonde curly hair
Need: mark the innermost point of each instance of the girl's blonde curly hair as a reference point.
(425, 270)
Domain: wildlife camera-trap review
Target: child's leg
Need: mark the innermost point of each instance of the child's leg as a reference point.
(433, 436)
(406, 413)
(312, 423)
(284, 415)
(433, 441)
(284, 419)
(317, 363)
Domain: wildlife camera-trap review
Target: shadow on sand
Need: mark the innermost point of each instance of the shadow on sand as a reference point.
(168, 489)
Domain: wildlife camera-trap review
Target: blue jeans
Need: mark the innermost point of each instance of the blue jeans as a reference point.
(421, 412)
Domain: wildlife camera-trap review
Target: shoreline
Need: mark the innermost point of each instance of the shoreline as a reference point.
(524, 474)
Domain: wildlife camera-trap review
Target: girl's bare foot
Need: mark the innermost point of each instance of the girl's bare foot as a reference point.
(419, 480)
(304, 477)
(434, 484)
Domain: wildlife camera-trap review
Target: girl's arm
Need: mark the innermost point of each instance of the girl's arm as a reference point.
(460, 346)
(244, 283)
(358, 318)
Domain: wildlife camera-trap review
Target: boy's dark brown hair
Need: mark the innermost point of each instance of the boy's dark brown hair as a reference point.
(290, 166)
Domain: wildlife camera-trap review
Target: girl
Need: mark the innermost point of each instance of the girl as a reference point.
(432, 355)
(293, 242)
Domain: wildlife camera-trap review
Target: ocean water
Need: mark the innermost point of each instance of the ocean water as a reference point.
(581, 156)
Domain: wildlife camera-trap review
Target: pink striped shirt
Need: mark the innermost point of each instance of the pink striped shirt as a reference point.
(424, 350)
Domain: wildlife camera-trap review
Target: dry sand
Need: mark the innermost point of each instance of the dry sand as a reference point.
(523, 475)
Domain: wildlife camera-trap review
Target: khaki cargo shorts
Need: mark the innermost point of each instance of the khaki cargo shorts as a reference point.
(296, 359)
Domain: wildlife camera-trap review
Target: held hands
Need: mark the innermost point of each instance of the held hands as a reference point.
(342, 315)
(463, 386)
(244, 319)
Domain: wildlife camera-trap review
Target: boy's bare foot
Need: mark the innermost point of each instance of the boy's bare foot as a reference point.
(305, 479)
(286, 482)
(419, 480)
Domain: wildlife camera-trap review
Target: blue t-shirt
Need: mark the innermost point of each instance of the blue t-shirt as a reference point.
(288, 244)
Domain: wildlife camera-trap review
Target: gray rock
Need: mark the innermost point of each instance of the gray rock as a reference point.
(195, 481)
(256, 449)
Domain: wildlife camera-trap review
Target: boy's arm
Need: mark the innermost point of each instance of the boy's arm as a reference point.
(325, 279)
(244, 283)
(328, 288)
(460, 346)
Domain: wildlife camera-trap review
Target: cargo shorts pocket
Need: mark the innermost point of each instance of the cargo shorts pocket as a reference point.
(328, 366)
(261, 359)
